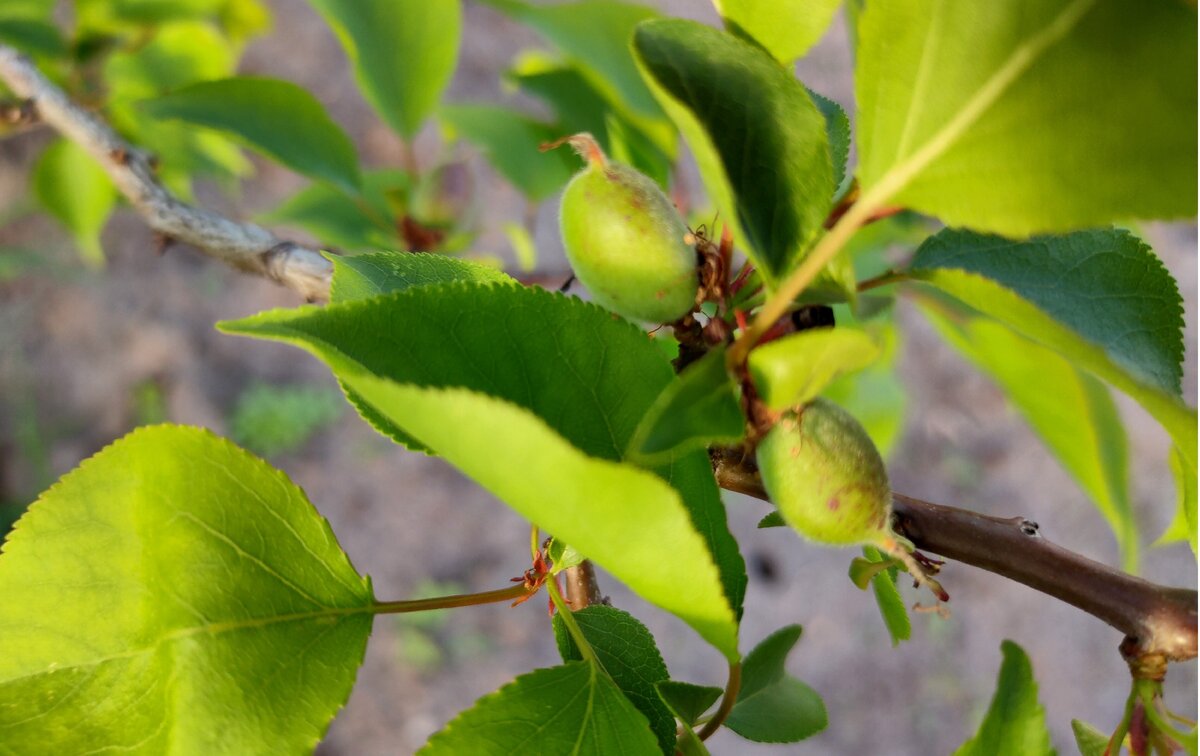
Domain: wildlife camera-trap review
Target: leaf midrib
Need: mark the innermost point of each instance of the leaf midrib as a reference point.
(212, 628)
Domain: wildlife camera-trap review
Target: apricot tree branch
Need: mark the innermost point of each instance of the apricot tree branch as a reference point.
(245, 246)
(1156, 619)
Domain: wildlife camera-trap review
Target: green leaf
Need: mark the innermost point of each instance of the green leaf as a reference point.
(688, 701)
(1089, 740)
(1183, 525)
(627, 652)
(511, 141)
(698, 409)
(581, 107)
(1101, 299)
(875, 395)
(403, 52)
(172, 590)
(1015, 722)
(1071, 411)
(887, 596)
(759, 140)
(772, 706)
(1018, 119)
(277, 118)
(837, 129)
(73, 188)
(786, 28)
(594, 35)
(180, 53)
(349, 223)
(590, 376)
(273, 420)
(369, 275)
(795, 369)
(572, 709)
(563, 556)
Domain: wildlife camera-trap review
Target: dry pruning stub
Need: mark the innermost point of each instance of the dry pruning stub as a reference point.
(625, 240)
(824, 474)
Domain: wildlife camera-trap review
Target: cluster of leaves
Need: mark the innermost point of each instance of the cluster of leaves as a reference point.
(221, 588)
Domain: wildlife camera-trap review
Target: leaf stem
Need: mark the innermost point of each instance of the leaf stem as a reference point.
(585, 648)
(727, 701)
(450, 602)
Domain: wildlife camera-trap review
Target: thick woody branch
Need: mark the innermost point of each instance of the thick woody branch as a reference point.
(245, 246)
(1157, 620)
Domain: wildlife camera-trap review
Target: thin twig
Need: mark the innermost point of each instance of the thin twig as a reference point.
(245, 246)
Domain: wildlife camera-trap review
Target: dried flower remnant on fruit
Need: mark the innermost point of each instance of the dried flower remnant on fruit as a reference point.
(624, 239)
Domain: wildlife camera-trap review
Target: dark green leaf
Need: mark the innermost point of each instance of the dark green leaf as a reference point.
(1090, 741)
(795, 369)
(688, 701)
(511, 140)
(772, 520)
(1015, 722)
(758, 138)
(1016, 117)
(175, 590)
(1106, 286)
(574, 366)
(369, 275)
(887, 596)
(786, 28)
(698, 409)
(1101, 299)
(1071, 411)
(277, 118)
(32, 36)
(572, 709)
(364, 222)
(773, 707)
(403, 52)
(73, 188)
(627, 652)
(837, 127)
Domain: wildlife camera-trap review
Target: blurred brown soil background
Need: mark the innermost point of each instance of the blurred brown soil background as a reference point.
(76, 346)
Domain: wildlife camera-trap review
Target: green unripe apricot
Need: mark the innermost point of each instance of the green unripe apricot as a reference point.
(625, 240)
(826, 477)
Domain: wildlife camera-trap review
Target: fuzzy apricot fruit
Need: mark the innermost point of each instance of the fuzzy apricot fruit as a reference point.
(625, 241)
(825, 475)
